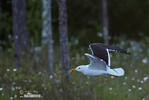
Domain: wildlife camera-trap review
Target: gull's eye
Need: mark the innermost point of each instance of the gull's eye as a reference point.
(79, 67)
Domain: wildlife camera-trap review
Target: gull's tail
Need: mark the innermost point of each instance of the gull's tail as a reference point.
(116, 72)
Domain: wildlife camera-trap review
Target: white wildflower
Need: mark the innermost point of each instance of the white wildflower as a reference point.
(143, 98)
(133, 86)
(145, 60)
(39, 73)
(141, 82)
(15, 96)
(110, 89)
(136, 70)
(51, 76)
(12, 88)
(21, 92)
(86, 82)
(138, 80)
(11, 98)
(145, 78)
(1, 89)
(7, 69)
(140, 88)
(99, 34)
(18, 87)
(76, 41)
(129, 90)
(126, 77)
(14, 69)
(124, 83)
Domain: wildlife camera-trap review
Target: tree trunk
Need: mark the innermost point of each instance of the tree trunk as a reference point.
(47, 31)
(64, 49)
(105, 21)
(19, 28)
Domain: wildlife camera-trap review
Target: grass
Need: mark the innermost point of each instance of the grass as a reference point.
(34, 75)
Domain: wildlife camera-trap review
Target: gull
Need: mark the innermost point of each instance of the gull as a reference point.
(100, 61)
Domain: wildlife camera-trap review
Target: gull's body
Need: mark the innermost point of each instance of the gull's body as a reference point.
(91, 72)
(100, 61)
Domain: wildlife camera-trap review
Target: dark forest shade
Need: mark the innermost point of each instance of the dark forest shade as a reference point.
(64, 50)
(19, 28)
(83, 19)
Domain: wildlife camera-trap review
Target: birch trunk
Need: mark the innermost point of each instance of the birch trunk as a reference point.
(47, 31)
(105, 21)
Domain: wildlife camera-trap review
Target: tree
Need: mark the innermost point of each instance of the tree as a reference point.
(64, 50)
(105, 21)
(47, 31)
(19, 28)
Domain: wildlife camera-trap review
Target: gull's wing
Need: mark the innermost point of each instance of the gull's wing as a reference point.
(96, 63)
(100, 52)
(111, 48)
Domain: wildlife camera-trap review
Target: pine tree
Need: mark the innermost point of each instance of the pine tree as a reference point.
(64, 49)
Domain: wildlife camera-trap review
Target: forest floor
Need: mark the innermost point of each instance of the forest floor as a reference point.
(33, 76)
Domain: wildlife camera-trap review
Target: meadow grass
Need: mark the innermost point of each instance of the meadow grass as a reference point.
(34, 75)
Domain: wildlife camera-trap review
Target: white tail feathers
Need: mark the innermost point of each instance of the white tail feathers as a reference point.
(116, 71)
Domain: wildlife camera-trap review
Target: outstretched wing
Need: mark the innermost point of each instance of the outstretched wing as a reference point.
(100, 52)
(111, 48)
(96, 63)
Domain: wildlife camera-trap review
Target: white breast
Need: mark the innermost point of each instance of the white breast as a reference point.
(90, 72)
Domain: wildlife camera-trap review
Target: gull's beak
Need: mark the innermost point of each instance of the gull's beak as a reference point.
(73, 70)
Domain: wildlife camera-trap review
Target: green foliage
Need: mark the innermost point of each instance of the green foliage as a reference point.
(34, 20)
(5, 29)
(34, 75)
(129, 17)
(126, 18)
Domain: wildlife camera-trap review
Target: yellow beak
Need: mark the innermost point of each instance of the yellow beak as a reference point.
(73, 70)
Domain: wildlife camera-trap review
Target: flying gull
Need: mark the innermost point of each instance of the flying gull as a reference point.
(100, 61)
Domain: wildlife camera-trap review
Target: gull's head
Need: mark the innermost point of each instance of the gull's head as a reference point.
(80, 68)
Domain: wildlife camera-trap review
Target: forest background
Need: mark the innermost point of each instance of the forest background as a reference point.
(128, 22)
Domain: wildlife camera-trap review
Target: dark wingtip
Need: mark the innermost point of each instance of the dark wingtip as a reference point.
(117, 49)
